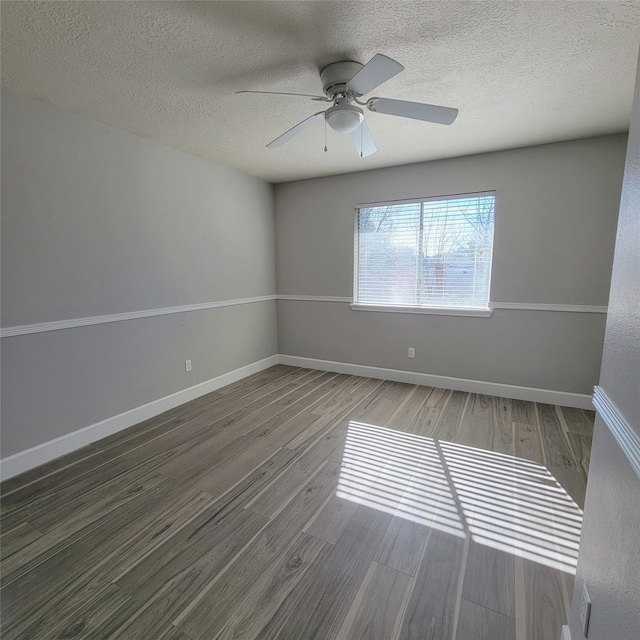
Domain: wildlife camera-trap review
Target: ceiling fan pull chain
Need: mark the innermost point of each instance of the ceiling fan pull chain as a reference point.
(361, 127)
(325, 135)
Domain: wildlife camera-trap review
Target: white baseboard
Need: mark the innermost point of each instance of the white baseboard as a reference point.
(47, 451)
(548, 396)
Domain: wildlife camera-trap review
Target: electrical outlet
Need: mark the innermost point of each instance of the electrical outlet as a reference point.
(585, 610)
(187, 365)
(412, 352)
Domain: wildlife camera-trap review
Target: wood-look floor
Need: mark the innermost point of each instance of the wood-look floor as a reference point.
(298, 504)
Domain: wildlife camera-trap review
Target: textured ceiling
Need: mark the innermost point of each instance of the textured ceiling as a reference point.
(521, 73)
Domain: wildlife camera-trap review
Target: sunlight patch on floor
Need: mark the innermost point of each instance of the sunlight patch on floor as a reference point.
(508, 503)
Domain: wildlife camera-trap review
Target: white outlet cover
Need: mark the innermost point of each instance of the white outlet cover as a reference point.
(412, 352)
(585, 610)
(187, 365)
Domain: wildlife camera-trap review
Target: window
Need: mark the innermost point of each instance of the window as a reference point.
(429, 253)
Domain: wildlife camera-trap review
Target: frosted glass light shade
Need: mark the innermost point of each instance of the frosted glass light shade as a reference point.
(344, 119)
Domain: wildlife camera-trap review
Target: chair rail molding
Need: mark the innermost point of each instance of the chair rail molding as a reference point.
(56, 325)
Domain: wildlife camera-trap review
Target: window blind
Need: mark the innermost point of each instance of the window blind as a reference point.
(434, 252)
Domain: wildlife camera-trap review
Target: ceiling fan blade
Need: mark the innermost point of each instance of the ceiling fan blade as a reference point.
(415, 110)
(363, 141)
(280, 93)
(377, 71)
(285, 137)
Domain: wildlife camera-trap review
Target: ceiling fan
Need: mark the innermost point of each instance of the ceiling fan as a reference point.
(343, 84)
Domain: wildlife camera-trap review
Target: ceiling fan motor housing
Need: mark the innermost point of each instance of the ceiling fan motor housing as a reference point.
(336, 76)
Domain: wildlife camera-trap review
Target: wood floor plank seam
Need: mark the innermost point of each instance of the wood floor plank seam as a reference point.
(226, 417)
(242, 419)
(271, 434)
(161, 603)
(312, 610)
(18, 539)
(73, 533)
(215, 502)
(416, 622)
(395, 568)
(376, 615)
(90, 566)
(414, 580)
(403, 404)
(178, 622)
(64, 544)
(565, 433)
(262, 599)
(287, 500)
(229, 430)
(304, 451)
(336, 420)
(478, 622)
(284, 505)
(456, 614)
(22, 482)
(401, 613)
(69, 537)
(520, 600)
(484, 606)
(176, 532)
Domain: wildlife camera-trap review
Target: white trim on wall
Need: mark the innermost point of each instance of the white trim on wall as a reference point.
(524, 306)
(534, 306)
(56, 325)
(47, 451)
(438, 311)
(548, 396)
(626, 437)
(286, 296)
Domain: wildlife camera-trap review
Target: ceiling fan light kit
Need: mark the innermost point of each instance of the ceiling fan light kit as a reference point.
(344, 83)
(344, 118)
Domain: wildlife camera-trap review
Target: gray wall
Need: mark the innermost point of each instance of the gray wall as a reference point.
(96, 221)
(556, 217)
(609, 560)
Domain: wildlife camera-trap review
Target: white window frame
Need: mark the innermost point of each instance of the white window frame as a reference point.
(420, 309)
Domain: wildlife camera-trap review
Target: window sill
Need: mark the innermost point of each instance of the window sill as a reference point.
(440, 311)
